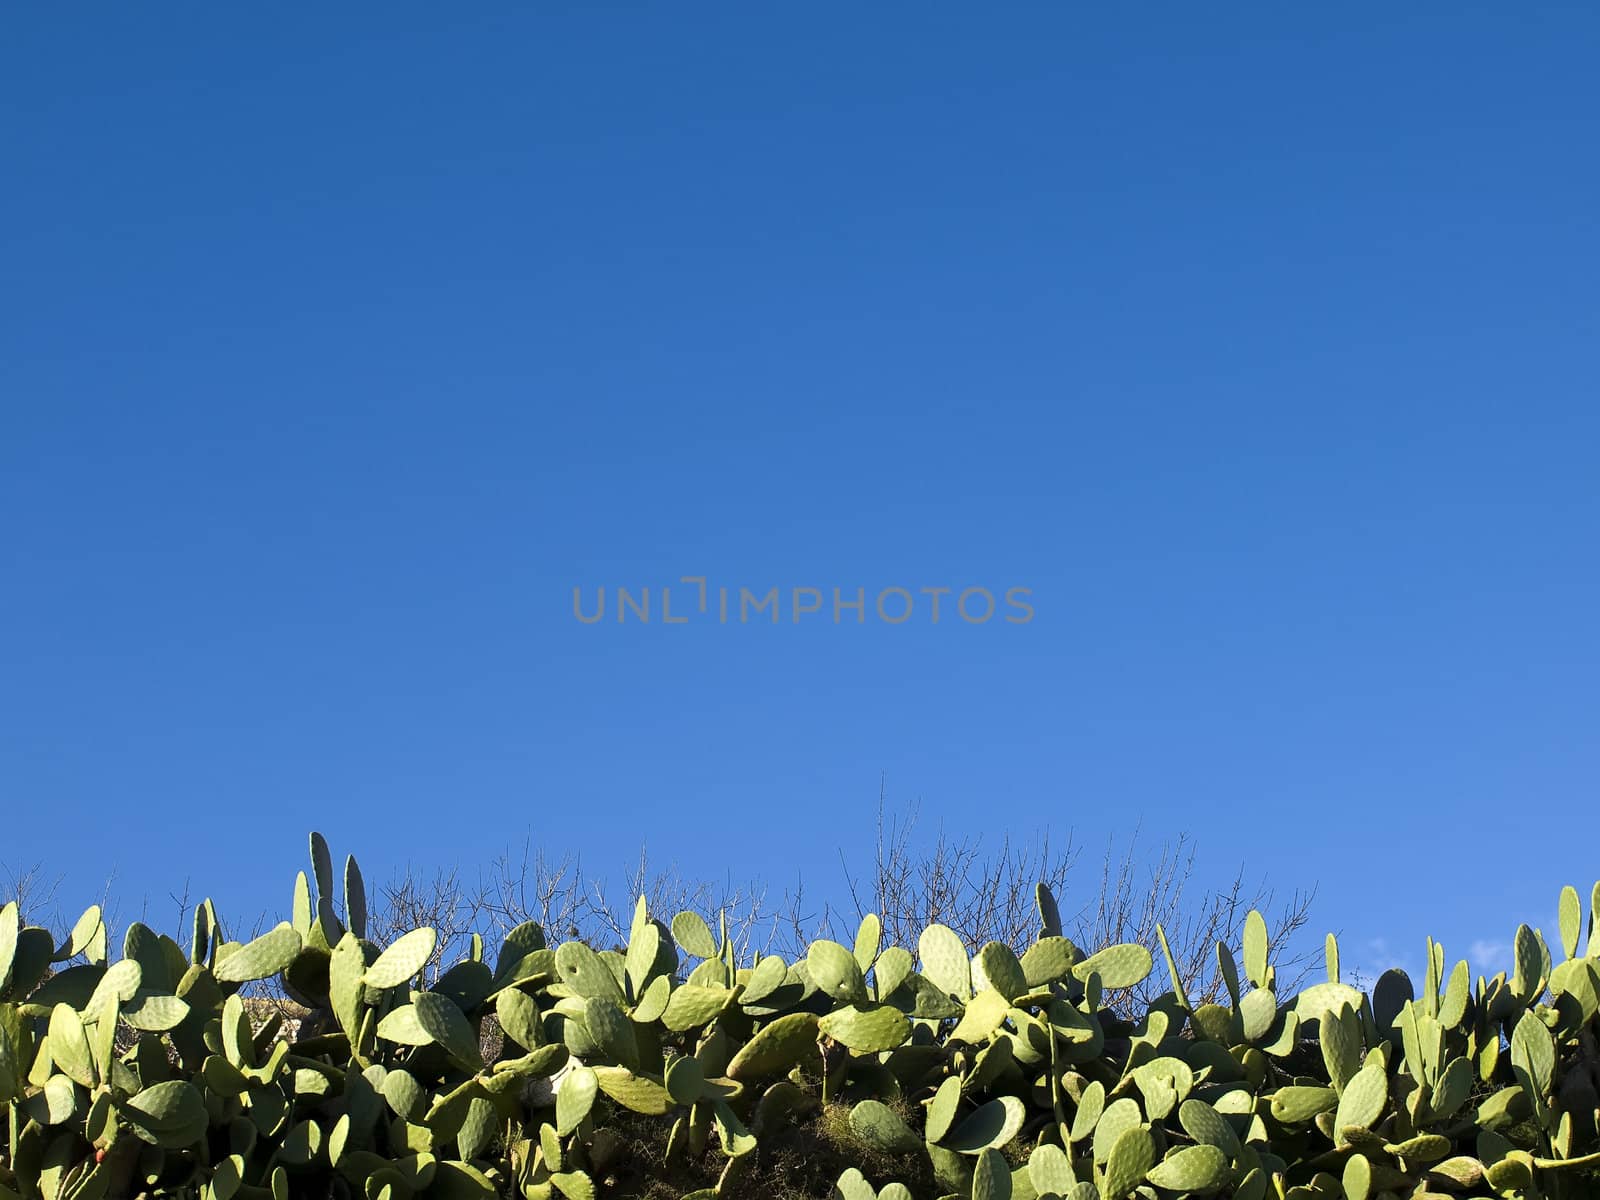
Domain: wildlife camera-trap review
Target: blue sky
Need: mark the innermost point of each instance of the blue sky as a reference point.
(338, 347)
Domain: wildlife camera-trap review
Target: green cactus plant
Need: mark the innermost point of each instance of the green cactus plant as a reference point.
(1005, 1073)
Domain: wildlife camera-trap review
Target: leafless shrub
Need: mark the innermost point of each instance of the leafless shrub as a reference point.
(986, 893)
(441, 901)
(34, 891)
(1131, 900)
(983, 889)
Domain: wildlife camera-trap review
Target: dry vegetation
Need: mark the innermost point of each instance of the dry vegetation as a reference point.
(983, 889)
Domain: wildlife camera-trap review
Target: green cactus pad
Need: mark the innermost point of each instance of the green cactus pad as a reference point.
(1000, 970)
(1453, 1007)
(1122, 966)
(1131, 1156)
(518, 1015)
(891, 971)
(69, 1046)
(944, 962)
(1195, 1169)
(767, 976)
(154, 1013)
(685, 1079)
(777, 1048)
(1533, 1058)
(1049, 960)
(1363, 1101)
(575, 1098)
(869, 941)
(989, 1127)
(170, 1115)
(1296, 1105)
(836, 972)
(691, 1006)
(644, 947)
(852, 1185)
(444, 1022)
(585, 973)
(403, 960)
(1255, 948)
(693, 935)
(1208, 1127)
(1050, 1170)
(1320, 999)
(609, 1026)
(1091, 1105)
(881, 1128)
(942, 1109)
(984, 1014)
(1119, 1117)
(991, 1177)
(86, 932)
(735, 1138)
(1339, 1032)
(639, 1093)
(866, 1029)
(260, 958)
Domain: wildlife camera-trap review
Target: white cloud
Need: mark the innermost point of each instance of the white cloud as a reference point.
(1489, 956)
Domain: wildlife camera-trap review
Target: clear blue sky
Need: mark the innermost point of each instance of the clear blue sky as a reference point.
(338, 346)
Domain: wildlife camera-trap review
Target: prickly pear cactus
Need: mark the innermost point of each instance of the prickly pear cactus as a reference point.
(995, 1072)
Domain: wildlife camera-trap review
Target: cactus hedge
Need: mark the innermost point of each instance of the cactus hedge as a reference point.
(670, 1067)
